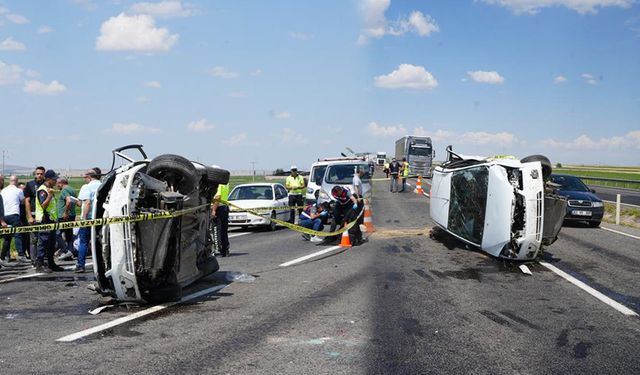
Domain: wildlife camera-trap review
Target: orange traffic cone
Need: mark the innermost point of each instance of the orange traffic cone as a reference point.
(419, 186)
(368, 223)
(345, 241)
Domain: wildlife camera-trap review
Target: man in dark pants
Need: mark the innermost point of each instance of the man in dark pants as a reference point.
(296, 187)
(345, 202)
(30, 209)
(46, 213)
(394, 171)
(220, 217)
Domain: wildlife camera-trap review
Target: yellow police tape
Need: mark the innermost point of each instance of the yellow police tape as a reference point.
(389, 178)
(162, 215)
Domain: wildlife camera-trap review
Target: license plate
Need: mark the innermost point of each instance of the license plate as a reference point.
(581, 213)
(238, 217)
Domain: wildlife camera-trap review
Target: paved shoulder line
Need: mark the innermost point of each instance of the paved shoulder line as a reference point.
(139, 314)
(622, 233)
(306, 257)
(618, 306)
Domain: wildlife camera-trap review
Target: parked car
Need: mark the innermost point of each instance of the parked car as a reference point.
(340, 171)
(499, 205)
(582, 202)
(152, 261)
(271, 198)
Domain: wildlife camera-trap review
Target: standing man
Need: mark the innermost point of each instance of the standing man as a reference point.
(66, 208)
(30, 209)
(394, 171)
(296, 187)
(12, 197)
(405, 173)
(46, 214)
(220, 216)
(85, 201)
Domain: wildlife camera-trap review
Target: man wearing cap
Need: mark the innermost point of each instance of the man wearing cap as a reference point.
(85, 201)
(296, 187)
(46, 213)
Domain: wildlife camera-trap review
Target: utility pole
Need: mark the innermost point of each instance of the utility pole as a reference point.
(253, 166)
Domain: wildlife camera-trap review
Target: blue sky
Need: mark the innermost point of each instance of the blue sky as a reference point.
(286, 82)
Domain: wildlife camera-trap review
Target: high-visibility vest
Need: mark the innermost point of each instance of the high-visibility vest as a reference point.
(51, 208)
(223, 194)
(298, 181)
(405, 165)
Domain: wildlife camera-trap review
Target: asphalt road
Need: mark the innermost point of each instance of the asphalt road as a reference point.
(402, 303)
(627, 196)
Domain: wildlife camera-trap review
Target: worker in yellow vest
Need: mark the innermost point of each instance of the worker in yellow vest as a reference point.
(296, 187)
(46, 213)
(404, 172)
(220, 217)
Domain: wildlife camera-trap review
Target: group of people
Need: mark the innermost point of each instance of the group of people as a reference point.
(397, 170)
(39, 202)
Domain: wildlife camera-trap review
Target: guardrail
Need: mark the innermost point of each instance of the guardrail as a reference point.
(611, 182)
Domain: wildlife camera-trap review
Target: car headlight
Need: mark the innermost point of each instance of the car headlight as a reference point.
(597, 204)
(309, 190)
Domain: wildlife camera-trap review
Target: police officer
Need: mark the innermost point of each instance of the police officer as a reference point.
(46, 213)
(404, 172)
(220, 216)
(311, 218)
(296, 187)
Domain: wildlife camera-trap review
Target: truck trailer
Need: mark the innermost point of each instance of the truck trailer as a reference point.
(418, 151)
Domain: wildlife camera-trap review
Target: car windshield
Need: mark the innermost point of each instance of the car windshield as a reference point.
(317, 173)
(343, 173)
(570, 183)
(468, 202)
(251, 192)
(421, 151)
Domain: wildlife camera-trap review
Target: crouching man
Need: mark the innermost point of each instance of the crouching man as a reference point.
(311, 218)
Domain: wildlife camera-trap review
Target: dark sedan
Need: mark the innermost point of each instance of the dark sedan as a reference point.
(582, 202)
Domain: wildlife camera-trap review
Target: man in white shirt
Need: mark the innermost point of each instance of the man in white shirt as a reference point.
(85, 200)
(12, 196)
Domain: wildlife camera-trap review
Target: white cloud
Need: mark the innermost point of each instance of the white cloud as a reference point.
(559, 79)
(44, 29)
(301, 36)
(631, 140)
(162, 9)
(200, 126)
(588, 78)
(279, 115)
(131, 128)
(86, 4)
(222, 72)
(17, 19)
(153, 84)
(235, 139)
(12, 45)
(290, 136)
(238, 95)
(379, 131)
(38, 88)
(437, 136)
(407, 76)
(134, 33)
(580, 6)
(9, 73)
(484, 138)
(492, 77)
(376, 24)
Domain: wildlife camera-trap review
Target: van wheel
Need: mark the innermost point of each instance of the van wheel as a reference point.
(217, 176)
(177, 171)
(272, 224)
(544, 161)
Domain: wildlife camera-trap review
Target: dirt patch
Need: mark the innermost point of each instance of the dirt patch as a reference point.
(404, 232)
(626, 220)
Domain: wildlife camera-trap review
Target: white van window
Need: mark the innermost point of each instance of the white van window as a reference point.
(317, 173)
(468, 203)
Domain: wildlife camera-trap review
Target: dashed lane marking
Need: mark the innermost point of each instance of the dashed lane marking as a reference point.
(622, 233)
(310, 256)
(139, 314)
(617, 306)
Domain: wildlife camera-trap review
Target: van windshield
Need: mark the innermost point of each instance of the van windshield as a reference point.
(342, 174)
(468, 203)
(420, 151)
(317, 173)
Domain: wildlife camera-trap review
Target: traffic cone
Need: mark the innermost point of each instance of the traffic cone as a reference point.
(418, 188)
(368, 222)
(345, 241)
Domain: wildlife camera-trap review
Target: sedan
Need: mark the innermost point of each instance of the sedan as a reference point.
(270, 199)
(582, 202)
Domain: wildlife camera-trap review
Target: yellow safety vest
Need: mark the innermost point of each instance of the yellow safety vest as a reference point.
(51, 208)
(295, 185)
(405, 171)
(223, 193)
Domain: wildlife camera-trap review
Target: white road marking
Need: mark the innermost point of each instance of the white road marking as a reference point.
(622, 233)
(623, 204)
(618, 306)
(238, 234)
(139, 314)
(316, 254)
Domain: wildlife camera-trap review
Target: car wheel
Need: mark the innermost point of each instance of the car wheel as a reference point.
(272, 224)
(544, 161)
(177, 171)
(594, 224)
(217, 176)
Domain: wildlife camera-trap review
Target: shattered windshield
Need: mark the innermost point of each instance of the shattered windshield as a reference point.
(468, 202)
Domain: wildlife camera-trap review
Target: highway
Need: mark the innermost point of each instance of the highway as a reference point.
(627, 196)
(402, 303)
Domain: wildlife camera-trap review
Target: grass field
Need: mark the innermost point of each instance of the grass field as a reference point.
(623, 173)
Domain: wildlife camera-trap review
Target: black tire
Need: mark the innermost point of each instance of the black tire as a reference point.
(217, 176)
(177, 171)
(166, 293)
(544, 161)
(272, 224)
(594, 224)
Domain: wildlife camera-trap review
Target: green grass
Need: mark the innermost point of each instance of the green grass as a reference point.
(632, 174)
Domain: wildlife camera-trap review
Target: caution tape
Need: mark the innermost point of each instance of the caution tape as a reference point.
(389, 178)
(102, 221)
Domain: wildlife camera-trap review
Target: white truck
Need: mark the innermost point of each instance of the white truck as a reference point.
(418, 151)
(381, 158)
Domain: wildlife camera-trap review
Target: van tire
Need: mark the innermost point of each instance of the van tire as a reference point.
(176, 170)
(544, 161)
(217, 176)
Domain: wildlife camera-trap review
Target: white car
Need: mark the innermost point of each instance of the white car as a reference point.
(152, 261)
(500, 205)
(271, 199)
